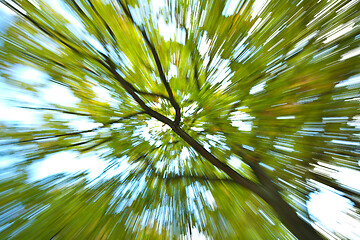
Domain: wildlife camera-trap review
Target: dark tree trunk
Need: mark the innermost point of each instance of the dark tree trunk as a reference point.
(288, 216)
(267, 190)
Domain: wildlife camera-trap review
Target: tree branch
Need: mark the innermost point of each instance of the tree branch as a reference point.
(57, 110)
(111, 67)
(246, 183)
(43, 29)
(196, 76)
(74, 133)
(103, 21)
(163, 78)
(131, 90)
(152, 94)
(158, 65)
(96, 144)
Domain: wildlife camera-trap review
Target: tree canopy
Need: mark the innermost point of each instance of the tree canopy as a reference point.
(220, 117)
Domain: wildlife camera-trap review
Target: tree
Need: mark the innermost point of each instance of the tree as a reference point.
(221, 124)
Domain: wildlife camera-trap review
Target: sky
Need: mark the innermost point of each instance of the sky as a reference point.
(327, 207)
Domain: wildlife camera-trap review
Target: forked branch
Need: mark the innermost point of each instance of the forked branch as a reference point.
(158, 65)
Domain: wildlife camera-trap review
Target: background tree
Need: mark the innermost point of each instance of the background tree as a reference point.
(217, 117)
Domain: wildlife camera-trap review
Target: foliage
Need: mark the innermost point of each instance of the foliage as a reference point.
(215, 124)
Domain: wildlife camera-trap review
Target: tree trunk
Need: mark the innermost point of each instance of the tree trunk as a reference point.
(268, 191)
(288, 216)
